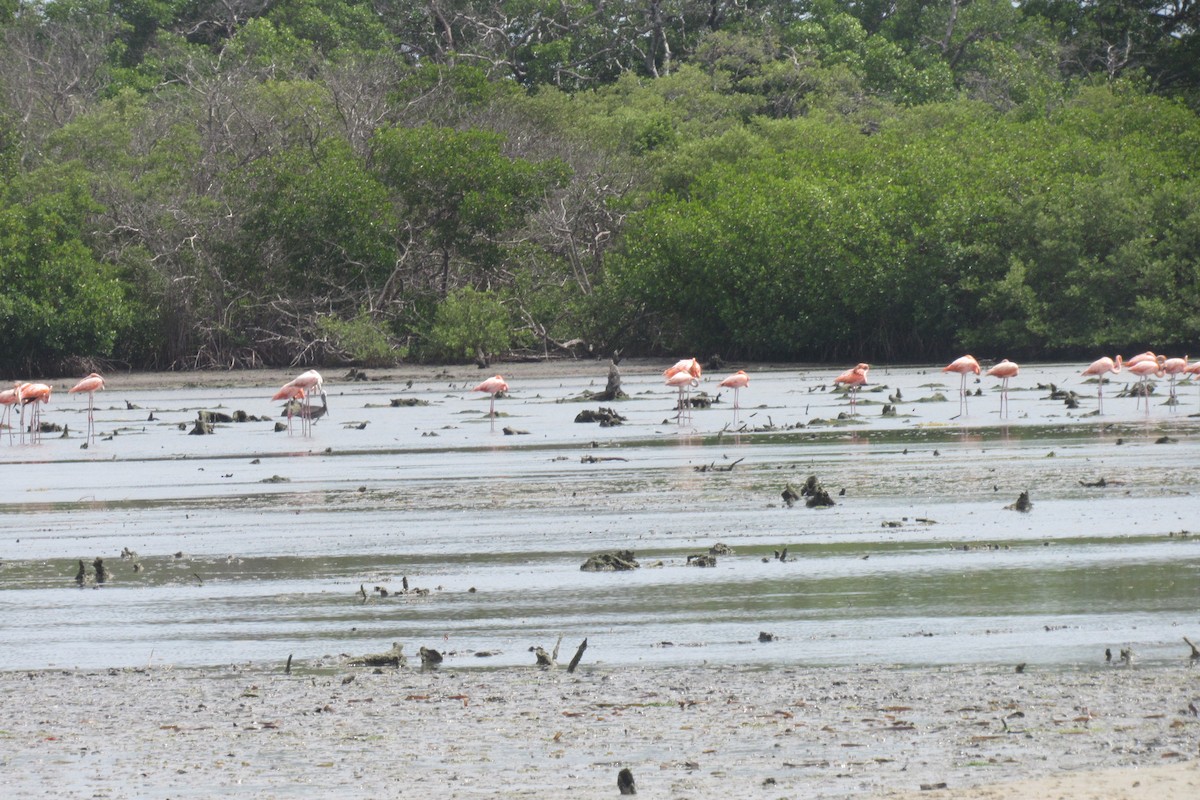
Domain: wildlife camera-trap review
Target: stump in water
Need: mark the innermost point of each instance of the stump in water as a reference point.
(790, 495)
(618, 561)
(625, 782)
(702, 560)
(81, 576)
(544, 659)
(202, 427)
(430, 659)
(1023, 504)
(612, 391)
(605, 416)
(101, 570)
(583, 646)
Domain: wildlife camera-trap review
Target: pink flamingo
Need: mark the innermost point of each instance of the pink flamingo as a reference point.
(853, 378)
(1004, 370)
(35, 393)
(1193, 368)
(302, 388)
(683, 380)
(1173, 368)
(962, 366)
(9, 398)
(1100, 367)
(91, 384)
(689, 365)
(295, 397)
(1140, 357)
(493, 386)
(1144, 369)
(736, 381)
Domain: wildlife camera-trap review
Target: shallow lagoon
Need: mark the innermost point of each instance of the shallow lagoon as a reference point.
(918, 563)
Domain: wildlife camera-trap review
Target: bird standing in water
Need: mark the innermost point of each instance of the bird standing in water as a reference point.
(34, 394)
(1004, 370)
(853, 378)
(301, 388)
(10, 398)
(91, 384)
(493, 386)
(1100, 367)
(963, 366)
(736, 381)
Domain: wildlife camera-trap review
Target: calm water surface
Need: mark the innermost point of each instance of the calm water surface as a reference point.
(255, 543)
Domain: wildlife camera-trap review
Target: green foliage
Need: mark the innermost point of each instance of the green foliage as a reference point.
(56, 299)
(362, 338)
(318, 222)
(461, 189)
(820, 179)
(468, 322)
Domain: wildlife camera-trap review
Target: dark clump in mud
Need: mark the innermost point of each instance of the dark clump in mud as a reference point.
(605, 416)
(1023, 503)
(390, 658)
(618, 561)
(817, 496)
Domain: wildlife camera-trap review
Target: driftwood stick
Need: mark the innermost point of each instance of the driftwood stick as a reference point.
(578, 655)
(287, 670)
(554, 655)
(1195, 650)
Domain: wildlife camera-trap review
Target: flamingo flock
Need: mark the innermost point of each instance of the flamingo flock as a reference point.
(27, 398)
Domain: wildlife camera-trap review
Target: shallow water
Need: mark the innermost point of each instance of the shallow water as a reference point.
(918, 563)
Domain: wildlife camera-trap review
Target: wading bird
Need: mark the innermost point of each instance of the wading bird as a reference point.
(736, 381)
(1004, 370)
(1193, 368)
(1100, 367)
(8, 399)
(35, 394)
(1174, 367)
(1144, 369)
(853, 378)
(493, 386)
(962, 366)
(683, 381)
(301, 388)
(689, 365)
(91, 384)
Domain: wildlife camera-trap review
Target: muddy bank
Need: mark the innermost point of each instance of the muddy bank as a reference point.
(331, 729)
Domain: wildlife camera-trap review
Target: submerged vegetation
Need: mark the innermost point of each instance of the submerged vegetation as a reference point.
(196, 184)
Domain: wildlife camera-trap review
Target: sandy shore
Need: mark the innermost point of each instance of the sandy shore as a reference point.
(334, 730)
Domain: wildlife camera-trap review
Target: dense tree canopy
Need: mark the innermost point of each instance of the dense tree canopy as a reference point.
(251, 181)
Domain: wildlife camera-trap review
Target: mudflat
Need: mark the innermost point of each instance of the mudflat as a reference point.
(330, 729)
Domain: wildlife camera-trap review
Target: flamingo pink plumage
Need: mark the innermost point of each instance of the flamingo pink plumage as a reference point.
(1144, 369)
(91, 384)
(493, 386)
(1004, 370)
(683, 380)
(1173, 368)
(302, 388)
(962, 365)
(1100, 367)
(9, 398)
(689, 365)
(36, 394)
(853, 378)
(737, 381)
